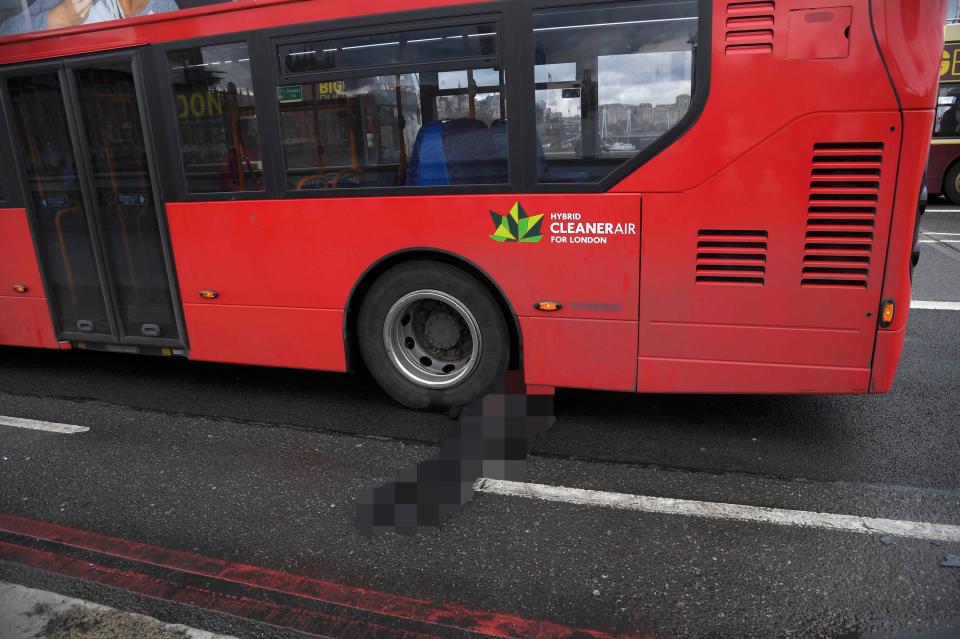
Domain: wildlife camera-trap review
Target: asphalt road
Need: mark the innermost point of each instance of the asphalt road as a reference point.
(264, 467)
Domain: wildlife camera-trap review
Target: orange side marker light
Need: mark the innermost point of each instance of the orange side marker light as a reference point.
(548, 306)
(20, 288)
(887, 310)
(207, 294)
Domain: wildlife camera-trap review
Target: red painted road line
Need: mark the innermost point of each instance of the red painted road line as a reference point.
(419, 610)
(309, 621)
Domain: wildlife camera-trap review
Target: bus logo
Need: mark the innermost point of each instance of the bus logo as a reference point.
(516, 226)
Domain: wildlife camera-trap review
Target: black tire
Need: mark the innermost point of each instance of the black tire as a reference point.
(950, 187)
(488, 367)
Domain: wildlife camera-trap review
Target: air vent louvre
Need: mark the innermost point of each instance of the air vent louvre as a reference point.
(731, 256)
(841, 213)
(749, 27)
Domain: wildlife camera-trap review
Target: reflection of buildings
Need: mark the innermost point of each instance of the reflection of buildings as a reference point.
(486, 107)
(624, 119)
(621, 127)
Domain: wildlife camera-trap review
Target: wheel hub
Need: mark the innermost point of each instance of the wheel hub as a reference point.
(432, 338)
(442, 330)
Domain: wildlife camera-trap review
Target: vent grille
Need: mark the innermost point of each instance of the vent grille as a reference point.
(749, 27)
(841, 213)
(731, 257)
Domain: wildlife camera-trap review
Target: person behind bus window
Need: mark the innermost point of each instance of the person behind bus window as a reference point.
(56, 14)
(949, 124)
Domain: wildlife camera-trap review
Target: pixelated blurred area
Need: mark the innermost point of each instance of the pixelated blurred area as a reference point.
(492, 441)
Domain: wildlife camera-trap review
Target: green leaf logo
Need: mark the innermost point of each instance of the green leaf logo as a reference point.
(516, 226)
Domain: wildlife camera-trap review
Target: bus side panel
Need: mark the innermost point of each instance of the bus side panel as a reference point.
(910, 34)
(668, 374)
(769, 262)
(896, 283)
(579, 353)
(289, 259)
(266, 336)
(24, 317)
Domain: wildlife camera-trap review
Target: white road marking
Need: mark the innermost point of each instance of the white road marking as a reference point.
(739, 512)
(53, 427)
(940, 241)
(936, 306)
(937, 233)
(942, 210)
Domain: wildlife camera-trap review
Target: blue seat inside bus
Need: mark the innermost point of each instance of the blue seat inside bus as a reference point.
(459, 151)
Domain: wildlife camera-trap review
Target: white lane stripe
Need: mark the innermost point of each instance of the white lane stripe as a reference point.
(942, 210)
(939, 241)
(669, 506)
(936, 306)
(34, 424)
(937, 233)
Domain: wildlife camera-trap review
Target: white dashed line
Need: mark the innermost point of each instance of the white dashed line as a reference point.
(936, 306)
(33, 424)
(713, 510)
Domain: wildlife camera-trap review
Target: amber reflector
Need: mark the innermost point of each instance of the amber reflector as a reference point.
(548, 306)
(886, 313)
(20, 288)
(209, 295)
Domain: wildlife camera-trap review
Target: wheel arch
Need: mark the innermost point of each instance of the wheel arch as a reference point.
(385, 263)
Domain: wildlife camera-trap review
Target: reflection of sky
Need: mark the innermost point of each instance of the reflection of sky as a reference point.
(633, 78)
(637, 78)
(228, 63)
(458, 79)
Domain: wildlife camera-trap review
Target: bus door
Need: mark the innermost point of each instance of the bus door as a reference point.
(98, 225)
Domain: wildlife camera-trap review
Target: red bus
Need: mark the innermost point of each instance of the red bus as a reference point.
(943, 169)
(697, 196)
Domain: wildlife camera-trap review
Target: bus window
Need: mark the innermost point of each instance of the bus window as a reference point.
(609, 80)
(407, 128)
(947, 123)
(219, 140)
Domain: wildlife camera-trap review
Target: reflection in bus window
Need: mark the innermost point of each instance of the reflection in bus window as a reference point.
(413, 129)
(609, 80)
(385, 49)
(947, 123)
(216, 117)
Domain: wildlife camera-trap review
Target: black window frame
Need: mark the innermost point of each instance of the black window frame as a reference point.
(515, 59)
(11, 190)
(176, 187)
(702, 50)
(494, 12)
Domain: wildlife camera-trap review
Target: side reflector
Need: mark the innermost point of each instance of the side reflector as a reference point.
(548, 306)
(207, 294)
(20, 288)
(887, 309)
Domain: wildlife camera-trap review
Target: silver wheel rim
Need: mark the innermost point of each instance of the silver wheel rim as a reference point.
(432, 338)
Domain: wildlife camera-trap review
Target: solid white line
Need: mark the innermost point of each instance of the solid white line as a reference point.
(940, 241)
(666, 505)
(936, 306)
(933, 210)
(34, 424)
(937, 233)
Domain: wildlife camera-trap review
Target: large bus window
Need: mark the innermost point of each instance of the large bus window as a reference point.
(216, 117)
(609, 80)
(947, 124)
(406, 128)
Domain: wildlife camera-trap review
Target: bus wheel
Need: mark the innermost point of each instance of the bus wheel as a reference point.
(432, 335)
(951, 184)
